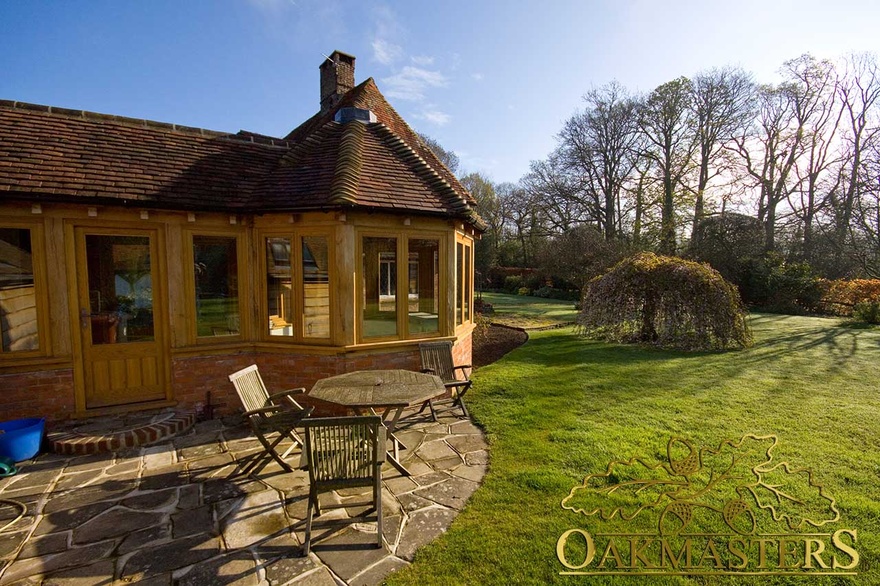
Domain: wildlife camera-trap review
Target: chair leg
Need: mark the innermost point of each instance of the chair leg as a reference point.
(429, 403)
(377, 496)
(459, 398)
(463, 408)
(270, 449)
(296, 442)
(308, 544)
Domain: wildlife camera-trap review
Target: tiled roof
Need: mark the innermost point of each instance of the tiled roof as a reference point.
(54, 154)
(368, 97)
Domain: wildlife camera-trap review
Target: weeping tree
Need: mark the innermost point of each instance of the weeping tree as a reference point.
(666, 302)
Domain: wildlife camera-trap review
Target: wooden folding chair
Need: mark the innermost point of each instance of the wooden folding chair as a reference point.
(343, 452)
(437, 360)
(267, 414)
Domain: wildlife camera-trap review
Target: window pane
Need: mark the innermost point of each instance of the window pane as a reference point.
(380, 287)
(459, 280)
(467, 284)
(18, 299)
(279, 286)
(316, 287)
(424, 286)
(120, 288)
(216, 279)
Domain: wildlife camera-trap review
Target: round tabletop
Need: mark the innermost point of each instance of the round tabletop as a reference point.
(379, 388)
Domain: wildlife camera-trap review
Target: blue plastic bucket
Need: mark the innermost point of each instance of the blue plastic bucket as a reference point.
(20, 439)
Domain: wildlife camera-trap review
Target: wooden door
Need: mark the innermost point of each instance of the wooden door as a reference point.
(121, 316)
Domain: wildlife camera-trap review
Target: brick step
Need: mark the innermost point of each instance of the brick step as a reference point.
(109, 434)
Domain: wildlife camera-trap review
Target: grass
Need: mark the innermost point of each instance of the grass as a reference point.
(561, 408)
(529, 312)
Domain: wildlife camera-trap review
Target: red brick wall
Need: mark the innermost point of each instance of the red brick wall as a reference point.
(50, 394)
(462, 351)
(193, 378)
(47, 393)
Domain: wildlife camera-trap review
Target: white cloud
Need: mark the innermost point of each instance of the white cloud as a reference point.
(422, 60)
(472, 162)
(272, 5)
(477, 76)
(412, 82)
(435, 117)
(385, 52)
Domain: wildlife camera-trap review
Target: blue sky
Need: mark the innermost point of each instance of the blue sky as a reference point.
(493, 81)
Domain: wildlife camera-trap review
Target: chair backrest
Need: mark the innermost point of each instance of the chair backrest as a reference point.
(437, 356)
(344, 451)
(250, 388)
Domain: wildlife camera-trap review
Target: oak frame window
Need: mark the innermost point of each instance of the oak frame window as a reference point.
(297, 286)
(24, 319)
(401, 284)
(464, 286)
(215, 297)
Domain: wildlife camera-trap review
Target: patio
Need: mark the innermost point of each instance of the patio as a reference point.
(175, 513)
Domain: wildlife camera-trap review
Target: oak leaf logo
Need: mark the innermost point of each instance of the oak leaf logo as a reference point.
(736, 479)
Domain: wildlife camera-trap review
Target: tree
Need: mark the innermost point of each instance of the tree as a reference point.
(769, 149)
(667, 302)
(599, 142)
(448, 158)
(727, 242)
(721, 103)
(558, 191)
(524, 219)
(490, 208)
(665, 119)
(579, 254)
(866, 212)
(817, 117)
(859, 94)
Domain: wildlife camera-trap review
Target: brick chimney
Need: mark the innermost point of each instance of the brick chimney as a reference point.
(337, 77)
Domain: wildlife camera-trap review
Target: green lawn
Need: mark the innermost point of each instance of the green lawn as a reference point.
(560, 408)
(529, 312)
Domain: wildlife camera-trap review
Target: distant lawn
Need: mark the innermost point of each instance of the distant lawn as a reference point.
(560, 408)
(529, 312)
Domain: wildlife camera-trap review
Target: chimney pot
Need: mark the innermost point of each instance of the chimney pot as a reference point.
(337, 77)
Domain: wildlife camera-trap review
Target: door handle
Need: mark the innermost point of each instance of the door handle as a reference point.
(84, 316)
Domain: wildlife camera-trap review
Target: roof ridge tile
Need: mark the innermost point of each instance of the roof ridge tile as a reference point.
(126, 120)
(344, 188)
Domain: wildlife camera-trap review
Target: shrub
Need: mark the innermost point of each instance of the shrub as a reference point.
(483, 307)
(544, 292)
(772, 284)
(523, 291)
(512, 283)
(482, 323)
(840, 297)
(867, 311)
(667, 302)
(533, 281)
(727, 242)
(577, 255)
(554, 293)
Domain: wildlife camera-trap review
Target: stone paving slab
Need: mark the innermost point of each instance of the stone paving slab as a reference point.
(178, 513)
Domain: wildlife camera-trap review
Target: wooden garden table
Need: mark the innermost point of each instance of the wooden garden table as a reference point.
(381, 392)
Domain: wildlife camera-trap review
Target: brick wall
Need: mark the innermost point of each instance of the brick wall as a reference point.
(50, 394)
(47, 393)
(194, 377)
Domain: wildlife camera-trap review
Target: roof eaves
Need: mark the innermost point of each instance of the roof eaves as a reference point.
(422, 169)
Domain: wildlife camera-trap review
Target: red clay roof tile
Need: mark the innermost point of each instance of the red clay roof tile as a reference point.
(56, 154)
